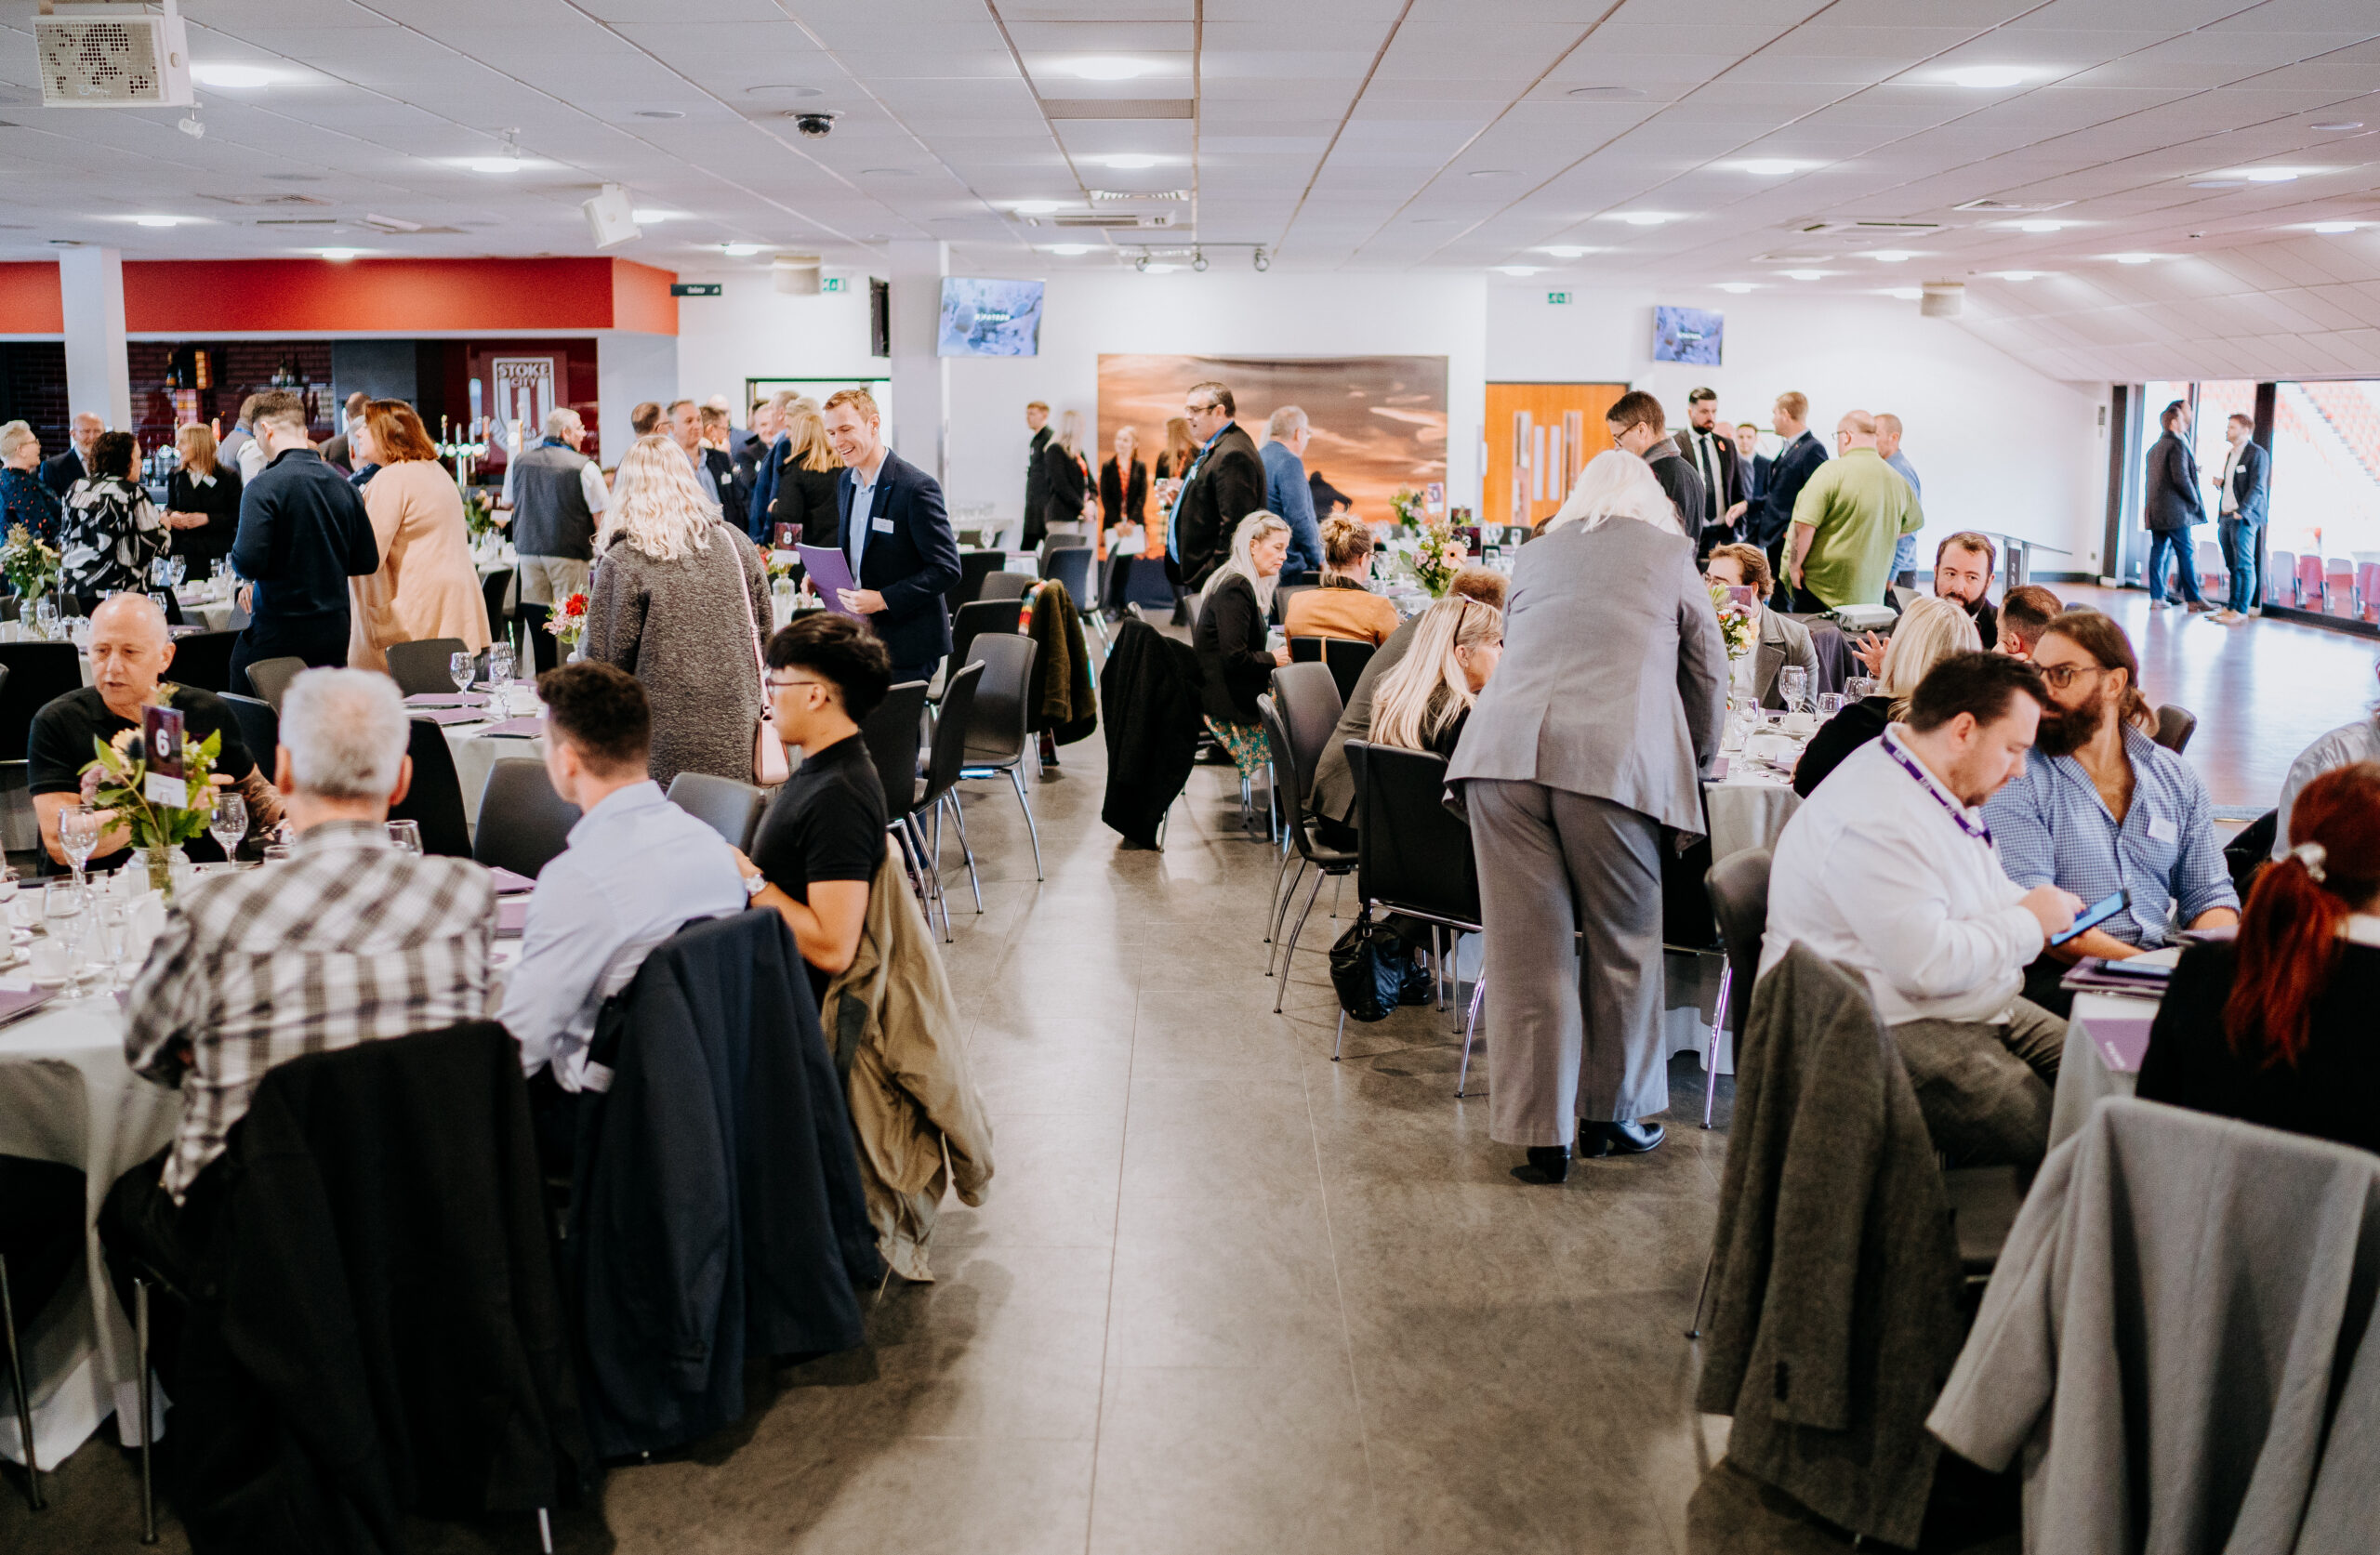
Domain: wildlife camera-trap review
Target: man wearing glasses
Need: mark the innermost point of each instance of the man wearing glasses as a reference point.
(1226, 484)
(2101, 807)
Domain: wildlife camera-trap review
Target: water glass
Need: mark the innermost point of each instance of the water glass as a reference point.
(115, 938)
(78, 836)
(276, 852)
(461, 666)
(499, 663)
(159, 574)
(45, 617)
(405, 837)
(230, 822)
(1793, 685)
(1859, 687)
(1829, 704)
(177, 569)
(64, 921)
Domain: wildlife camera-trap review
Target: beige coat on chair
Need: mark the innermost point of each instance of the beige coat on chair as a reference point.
(427, 585)
(898, 1042)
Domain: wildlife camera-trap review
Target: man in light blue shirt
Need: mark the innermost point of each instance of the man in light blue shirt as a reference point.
(1888, 445)
(636, 870)
(1285, 492)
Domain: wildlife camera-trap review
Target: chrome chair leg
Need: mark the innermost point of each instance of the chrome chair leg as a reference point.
(1471, 1033)
(148, 1410)
(1273, 902)
(24, 1398)
(1017, 777)
(545, 1533)
(1342, 1040)
(1281, 918)
(1281, 989)
(1711, 1058)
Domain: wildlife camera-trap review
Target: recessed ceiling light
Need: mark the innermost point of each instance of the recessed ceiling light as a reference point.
(1806, 274)
(2339, 124)
(1127, 160)
(338, 253)
(2134, 259)
(1069, 249)
(659, 113)
(493, 165)
(2271, 175)
(1769, 167)
(2334, 226)
(236, 78)
(1516, 270)
(1907, 294)
(1987, 77)
(739, 250)
(2019, 274)
(2041, 226)
(784, 90)
(1490, 173)
(1034, 207)
(1738, 287)
(1890, 255)
(1642, 218)
(1565, 252)
(1105, 69)
(156, 220)
(649, 218)
(1606, 94)
(2217, 183)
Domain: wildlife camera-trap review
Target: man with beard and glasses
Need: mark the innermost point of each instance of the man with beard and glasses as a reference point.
(2101, 805)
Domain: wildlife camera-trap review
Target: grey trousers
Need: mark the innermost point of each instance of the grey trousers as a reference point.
(1986, 1088)
(1576, 1029)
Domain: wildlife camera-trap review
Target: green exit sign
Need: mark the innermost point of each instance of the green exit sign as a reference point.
(835, 284)
(694, 288)
(1557, 296)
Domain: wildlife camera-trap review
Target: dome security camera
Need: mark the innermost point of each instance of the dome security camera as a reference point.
(817, 126)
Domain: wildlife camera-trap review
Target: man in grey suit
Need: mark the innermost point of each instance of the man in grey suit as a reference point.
(1591, 737)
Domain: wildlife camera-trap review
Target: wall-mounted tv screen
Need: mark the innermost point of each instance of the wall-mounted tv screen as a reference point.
(989, 318)
(1688, 335)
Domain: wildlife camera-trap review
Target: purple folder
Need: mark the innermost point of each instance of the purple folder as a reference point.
(444, 716)
(16, 1003)
(2092, 975)
(2123, 1041)
(511, 916)
(508, 882)
(528, 728)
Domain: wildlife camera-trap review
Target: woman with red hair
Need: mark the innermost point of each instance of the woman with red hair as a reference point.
(2278, 1026)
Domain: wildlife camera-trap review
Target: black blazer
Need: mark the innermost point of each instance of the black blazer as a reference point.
(2251, 482)
(2171, 500)
(1732, 474)
(912, 558)
(1756, 493)
(1858, 722)
(1067, 482)
(2327, 1093)
(1683, 484)
(1122, 500)
(220, 502)
(60, 472)
(1788, 473)
(1234, 668)
(806, 499)
(1037, 480)
(1223, 488)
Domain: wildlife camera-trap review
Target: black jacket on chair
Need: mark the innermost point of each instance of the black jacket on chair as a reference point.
(911, 557)
(716, 1204)
(380, 1330)
(1225, 487)
(1150, 690)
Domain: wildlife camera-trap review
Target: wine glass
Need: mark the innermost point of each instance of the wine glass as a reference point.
(158, 571)
(461, 666)
(230, 822)
(405, 837)
(78, 837)
(1793, 685)
(64, 921)
(1859, 688)
(1829, 704)
(114, 927)
(177, 569)
(499, 663)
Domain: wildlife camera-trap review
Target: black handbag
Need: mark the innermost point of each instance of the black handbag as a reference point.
(1368, 968)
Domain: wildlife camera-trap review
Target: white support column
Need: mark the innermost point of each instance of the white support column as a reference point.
(921, 429)
(630, 368)
(99, 378)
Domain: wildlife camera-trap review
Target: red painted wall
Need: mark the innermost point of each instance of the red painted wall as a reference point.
(205, 296)
(30, 303)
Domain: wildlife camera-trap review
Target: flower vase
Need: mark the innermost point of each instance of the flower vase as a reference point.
(166, 867)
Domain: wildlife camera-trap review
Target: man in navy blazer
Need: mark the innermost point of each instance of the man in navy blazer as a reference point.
(2244, 490)
(1786, 475)
(897, 534)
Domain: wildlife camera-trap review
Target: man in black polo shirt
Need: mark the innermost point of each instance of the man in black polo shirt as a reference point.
(823, 837)
(303, 533)
(130, 652)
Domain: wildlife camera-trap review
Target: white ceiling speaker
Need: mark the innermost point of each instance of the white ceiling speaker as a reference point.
(611, 218)
(1943, 299)
(795, 274)
(114, 57)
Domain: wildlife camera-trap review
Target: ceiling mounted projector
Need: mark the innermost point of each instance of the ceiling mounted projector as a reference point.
(114, 57)
(610, 218)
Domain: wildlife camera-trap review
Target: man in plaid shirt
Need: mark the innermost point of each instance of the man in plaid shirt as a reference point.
(348, 942)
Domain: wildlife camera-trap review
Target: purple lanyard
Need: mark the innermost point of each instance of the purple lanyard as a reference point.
(1959, 818)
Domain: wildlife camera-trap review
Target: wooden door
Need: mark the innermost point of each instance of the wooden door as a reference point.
(1540, 436)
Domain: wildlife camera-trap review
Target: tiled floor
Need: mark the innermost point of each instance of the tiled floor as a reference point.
(1228, 1294)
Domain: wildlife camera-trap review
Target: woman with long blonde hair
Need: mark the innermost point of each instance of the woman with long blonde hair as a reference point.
(1421, 703)
(1930, 630)
(681, 600)
(1235, 664)
(1069, 484)
(202, 498)
(805, 493)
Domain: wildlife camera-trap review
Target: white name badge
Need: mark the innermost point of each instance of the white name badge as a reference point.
(879, 526)
(2162, 830)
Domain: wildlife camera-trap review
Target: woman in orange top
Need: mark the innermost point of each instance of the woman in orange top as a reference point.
(427, 585)
(1344, 606)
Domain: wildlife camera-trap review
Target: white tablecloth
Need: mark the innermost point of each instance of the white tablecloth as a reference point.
(2083, 1078)
(66, 1095)
(476, 754)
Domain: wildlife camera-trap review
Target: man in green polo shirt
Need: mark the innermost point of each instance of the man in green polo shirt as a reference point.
(1850, 515)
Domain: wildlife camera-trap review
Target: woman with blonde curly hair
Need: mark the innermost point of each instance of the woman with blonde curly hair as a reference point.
(681, 600)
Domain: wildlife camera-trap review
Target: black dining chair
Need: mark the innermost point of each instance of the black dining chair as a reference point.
(41, 1244)
(945, 763)
(973, 620)
(1303, 694)
(203, 660)
(1004, 585)
(1414, 857)
(727, 806)
(1345, 657)
(260, 728)
(1283, 594)
(894, 733)
(495, 589)
(974, 568)
(270, 677)
(39, 673)
(435, 799)
(524, 824)
(1328, 864)
(1739, 888)
(996, 735)
(1069, 567)
(420, 668)
(2174, 727)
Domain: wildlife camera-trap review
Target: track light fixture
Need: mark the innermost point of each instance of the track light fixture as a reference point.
(1263, 260)
(1142, 264)
(1198, 259)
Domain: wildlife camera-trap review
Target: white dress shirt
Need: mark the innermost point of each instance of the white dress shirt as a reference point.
(252, 460)
(864, 484)
(1872, 872)
(2230, 502)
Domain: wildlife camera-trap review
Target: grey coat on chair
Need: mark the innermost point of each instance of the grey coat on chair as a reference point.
(1782, 641)
(1835, 1275)
(1614, 679)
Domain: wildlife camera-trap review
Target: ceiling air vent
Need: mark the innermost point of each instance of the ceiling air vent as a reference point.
(1110, 221)
(1873, 229)
(395, 226)
(1176, 196)
(269, 199)
(298, 221)
(118, 56)
(2012, 207)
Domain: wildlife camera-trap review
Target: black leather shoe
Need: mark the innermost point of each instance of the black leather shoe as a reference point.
(1420, 987)
(1547, 1164)
(1626, 1138)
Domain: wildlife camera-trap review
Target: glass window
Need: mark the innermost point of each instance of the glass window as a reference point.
(2326, 470)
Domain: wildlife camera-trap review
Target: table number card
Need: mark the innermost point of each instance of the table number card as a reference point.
(166, 781)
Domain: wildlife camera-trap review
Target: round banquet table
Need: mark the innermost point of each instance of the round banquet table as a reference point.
(2084, 1075)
